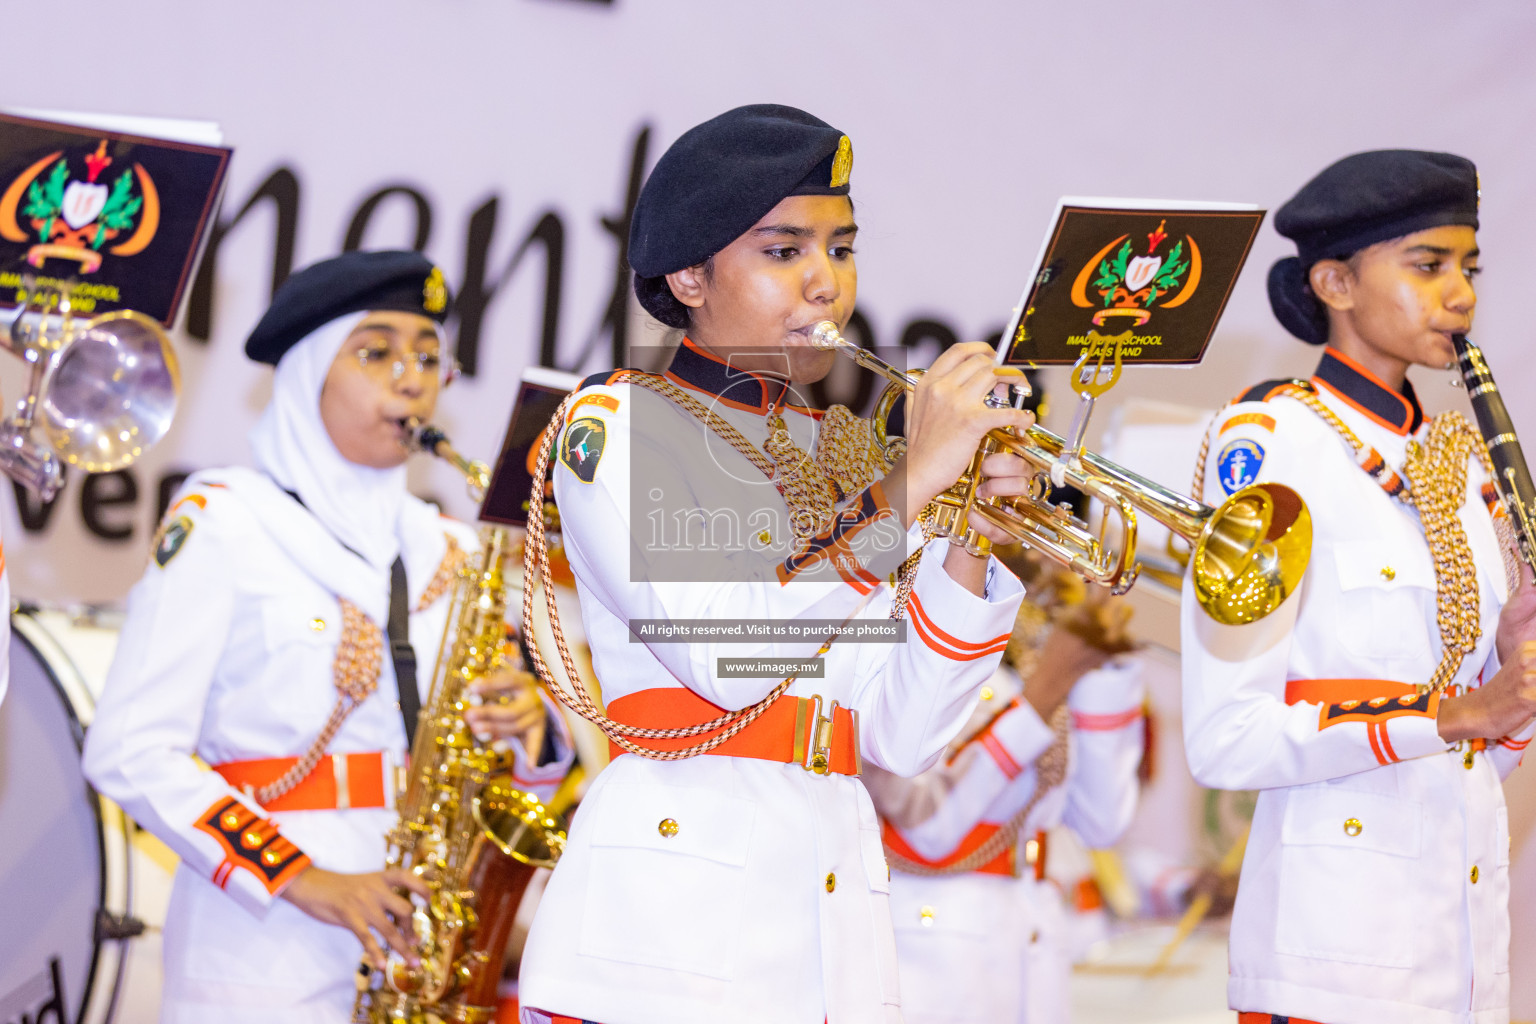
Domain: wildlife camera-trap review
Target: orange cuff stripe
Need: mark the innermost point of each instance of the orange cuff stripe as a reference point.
(953, 641)
(947, 645)
(1370, 732)
(1000, 754)
(1515, 744)
(1386, 740)
(1105, 723)
(251, 842)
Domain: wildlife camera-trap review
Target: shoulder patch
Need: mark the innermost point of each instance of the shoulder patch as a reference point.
(1267, 390)
(601, 401)
(581, 447)
(1238, 464)
(170, 539)
(1263, 421)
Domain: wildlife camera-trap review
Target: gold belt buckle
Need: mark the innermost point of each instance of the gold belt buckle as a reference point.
(817, 755)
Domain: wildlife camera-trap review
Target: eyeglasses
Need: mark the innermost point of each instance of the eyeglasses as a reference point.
(383, 363)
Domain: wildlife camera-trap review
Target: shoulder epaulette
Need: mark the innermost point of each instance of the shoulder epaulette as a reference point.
(603, 378)
(1270, 388)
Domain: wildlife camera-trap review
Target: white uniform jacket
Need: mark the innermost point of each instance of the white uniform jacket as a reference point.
(1376, 882)
(768, 903)
(990, 944)
(226, 655)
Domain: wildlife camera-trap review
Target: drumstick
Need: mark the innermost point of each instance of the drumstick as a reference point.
(1230, 864)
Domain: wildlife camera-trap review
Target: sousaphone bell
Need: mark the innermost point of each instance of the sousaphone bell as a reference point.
(101, 391)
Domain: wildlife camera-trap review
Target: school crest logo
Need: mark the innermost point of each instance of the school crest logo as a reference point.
(1238, 465)
(171, 538)
(1131, 284)
(582, 446)
(65, 205)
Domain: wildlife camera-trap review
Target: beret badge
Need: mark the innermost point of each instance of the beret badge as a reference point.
(434, 292)
(842, 163)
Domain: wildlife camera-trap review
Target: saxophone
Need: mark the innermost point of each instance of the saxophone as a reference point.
(465, 828)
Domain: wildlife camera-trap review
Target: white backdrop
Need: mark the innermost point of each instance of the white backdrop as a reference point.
(966, 125)
(968, 120)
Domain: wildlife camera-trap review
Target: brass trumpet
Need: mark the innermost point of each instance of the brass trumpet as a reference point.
(1246, 555)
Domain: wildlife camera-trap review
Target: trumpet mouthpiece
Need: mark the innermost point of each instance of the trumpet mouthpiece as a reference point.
(826, 336)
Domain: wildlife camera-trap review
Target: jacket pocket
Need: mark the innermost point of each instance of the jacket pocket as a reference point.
(1386, 586)
(667, 878)
(1341, 850)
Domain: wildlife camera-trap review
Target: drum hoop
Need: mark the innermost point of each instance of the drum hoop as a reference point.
(75, 696)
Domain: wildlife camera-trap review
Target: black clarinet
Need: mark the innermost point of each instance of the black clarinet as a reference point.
(1510, 474)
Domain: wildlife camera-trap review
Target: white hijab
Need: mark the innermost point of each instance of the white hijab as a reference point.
(358, 504)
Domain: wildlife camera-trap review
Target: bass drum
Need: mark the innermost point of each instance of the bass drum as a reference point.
(65, 875)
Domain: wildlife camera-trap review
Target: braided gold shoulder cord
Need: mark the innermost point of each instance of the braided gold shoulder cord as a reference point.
(355, 670)
(1436, 477)
(536, 562)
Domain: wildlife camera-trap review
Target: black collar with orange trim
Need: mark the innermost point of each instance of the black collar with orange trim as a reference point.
(705, 373)
(1364, 391)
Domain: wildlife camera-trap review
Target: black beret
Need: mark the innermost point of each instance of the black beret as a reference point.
(353, 282)
(718, 179)
(1357, 202)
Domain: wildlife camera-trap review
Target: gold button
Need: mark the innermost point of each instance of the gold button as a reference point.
(765, 537)
(1377, 702)
(1474, 874)
(1388, 573)
(1407, 698)
(1349, 705)
(831, 881)
(986, 693)
(318, 625)
(926, 914)
(1352, 827)
(668, 827)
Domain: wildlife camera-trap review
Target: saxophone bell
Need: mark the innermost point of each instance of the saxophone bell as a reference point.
(464, 827)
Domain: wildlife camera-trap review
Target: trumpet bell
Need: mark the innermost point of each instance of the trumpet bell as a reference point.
(1247, 557)
(1251, 553)
(112, 394)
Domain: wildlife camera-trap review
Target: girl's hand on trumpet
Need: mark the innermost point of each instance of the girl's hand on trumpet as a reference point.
(946, 420)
